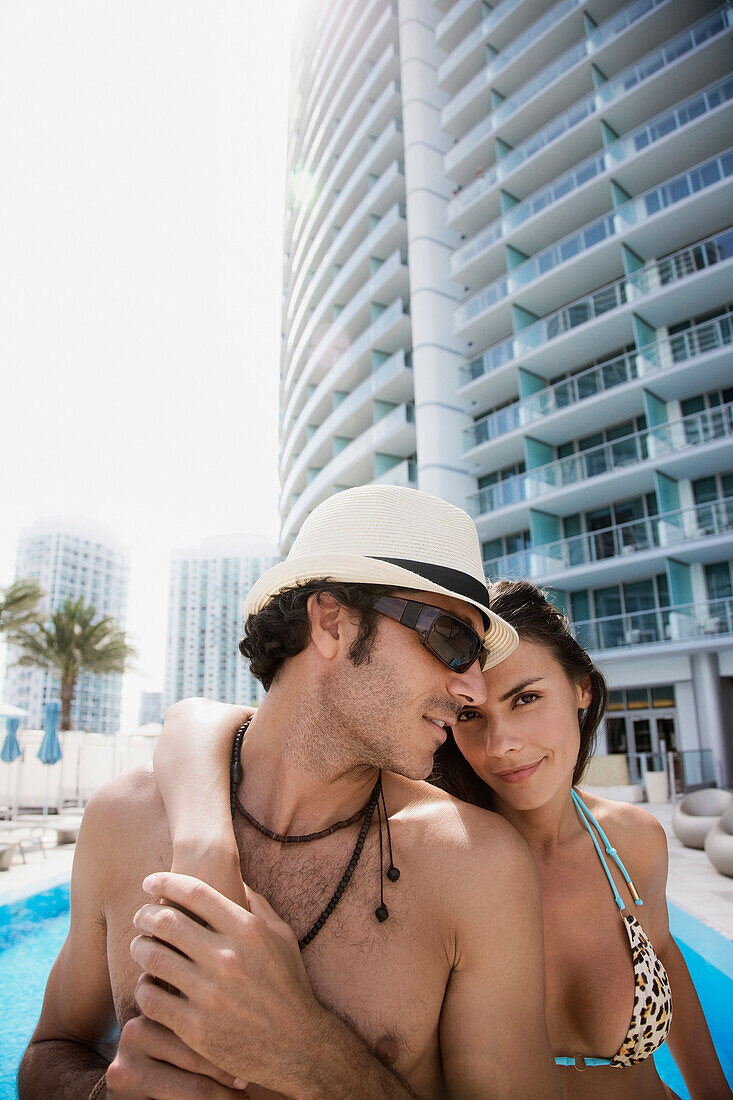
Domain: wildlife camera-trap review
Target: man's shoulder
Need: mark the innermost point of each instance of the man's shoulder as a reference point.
(458, 831)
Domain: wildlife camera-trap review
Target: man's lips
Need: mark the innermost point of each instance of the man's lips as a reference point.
(438, 724)
(523, 771)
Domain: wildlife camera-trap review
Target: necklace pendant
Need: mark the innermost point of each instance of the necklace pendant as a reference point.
(381, 913)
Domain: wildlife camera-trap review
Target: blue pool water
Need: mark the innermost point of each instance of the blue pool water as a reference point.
(32, 931)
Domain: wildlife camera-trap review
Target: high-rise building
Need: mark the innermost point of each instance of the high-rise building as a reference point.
(151, 707)
(208, 586)
(509, 280)
(71, 558)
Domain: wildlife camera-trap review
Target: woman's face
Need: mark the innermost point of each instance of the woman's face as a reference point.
(524, 740)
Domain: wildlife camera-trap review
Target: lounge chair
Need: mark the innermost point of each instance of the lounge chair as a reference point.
(7, 851)
(719, 844)
(66, 826)
(22, 835)
(696, 813)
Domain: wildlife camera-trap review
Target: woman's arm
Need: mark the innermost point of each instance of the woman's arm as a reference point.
(689, 1038)
(191, 764)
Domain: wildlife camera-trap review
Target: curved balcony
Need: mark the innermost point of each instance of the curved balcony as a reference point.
(313, 109)
(466, 260)
(362, 197)
(394, 433)
(389, 333)
(310, 70)
(454, 115)
(658, 276)
(560, 69)
(388, 235)
(334, 129)
(462, 62)
(627, 550)
(390, 281)
(452, 27)
(637, 212)
(392, 381)
(350, 139)
(403, 473)
(384, 109)
(698, 626)
(667, 446)
(667, 355)
(706, 34)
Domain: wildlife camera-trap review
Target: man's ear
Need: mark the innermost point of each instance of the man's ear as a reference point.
(327, 620)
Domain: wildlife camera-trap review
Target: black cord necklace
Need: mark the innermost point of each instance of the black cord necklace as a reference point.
(367, 813)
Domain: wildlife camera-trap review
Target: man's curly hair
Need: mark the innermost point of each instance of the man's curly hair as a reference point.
(281, 628)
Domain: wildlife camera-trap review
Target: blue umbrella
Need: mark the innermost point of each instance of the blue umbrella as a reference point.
(11, 749)
(50, 750)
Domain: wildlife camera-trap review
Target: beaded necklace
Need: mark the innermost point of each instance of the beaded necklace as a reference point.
(366, 812)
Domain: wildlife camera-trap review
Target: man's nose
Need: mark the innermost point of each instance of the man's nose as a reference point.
(469, 686)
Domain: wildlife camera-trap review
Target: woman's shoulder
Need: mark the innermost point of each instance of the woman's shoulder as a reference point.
(634, 832)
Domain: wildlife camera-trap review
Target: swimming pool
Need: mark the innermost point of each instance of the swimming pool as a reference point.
(32, 931)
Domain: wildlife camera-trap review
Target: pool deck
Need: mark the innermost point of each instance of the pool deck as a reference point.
(693, 884)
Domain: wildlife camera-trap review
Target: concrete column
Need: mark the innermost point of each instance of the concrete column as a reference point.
(711, 720)
(436, 354)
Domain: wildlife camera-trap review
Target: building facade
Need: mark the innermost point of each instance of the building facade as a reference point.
(151, 708)
(72, 558)
(208, 586)
(509, 281)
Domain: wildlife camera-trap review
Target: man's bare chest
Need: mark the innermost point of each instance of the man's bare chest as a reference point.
(387, 980)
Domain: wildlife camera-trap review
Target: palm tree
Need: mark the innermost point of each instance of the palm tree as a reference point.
(74, 641)
(19, 605)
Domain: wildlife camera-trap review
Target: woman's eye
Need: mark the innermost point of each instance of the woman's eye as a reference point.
(468, 715)
(525, 697)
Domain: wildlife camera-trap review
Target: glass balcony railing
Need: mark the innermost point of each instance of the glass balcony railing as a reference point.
(569, 391)
(689, 344)
(685, 622)
(365, 392)
(691, 110)
(475, 38)
(610, 225)
(619, 541)
(617, 25)
(653, 277)
(368, 338)
(715, 24)
(669, 438)
(451, 17)
(698, 340)
(517, 46)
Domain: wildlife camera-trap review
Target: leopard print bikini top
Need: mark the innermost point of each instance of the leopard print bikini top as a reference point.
(651, 1015)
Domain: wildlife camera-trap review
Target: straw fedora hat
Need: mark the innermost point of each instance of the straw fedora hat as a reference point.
(390, 535)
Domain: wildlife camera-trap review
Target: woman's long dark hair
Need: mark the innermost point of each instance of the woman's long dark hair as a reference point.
(535, 619)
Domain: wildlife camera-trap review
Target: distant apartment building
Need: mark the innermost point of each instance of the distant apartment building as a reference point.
(208, 586)
(509, 281)
(151, 707)
(71, 558)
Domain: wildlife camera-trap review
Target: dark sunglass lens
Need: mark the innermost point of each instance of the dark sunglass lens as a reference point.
(453, 642)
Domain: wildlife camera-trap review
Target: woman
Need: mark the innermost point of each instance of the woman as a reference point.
(602, 864)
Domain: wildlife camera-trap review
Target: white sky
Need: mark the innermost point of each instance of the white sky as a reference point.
(142, 164)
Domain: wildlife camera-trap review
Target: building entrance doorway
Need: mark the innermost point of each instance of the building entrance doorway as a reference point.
(641, 724)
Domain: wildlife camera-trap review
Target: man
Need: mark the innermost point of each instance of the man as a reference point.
(343, 978)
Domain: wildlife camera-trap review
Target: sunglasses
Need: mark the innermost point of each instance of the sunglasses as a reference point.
(448, 638)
